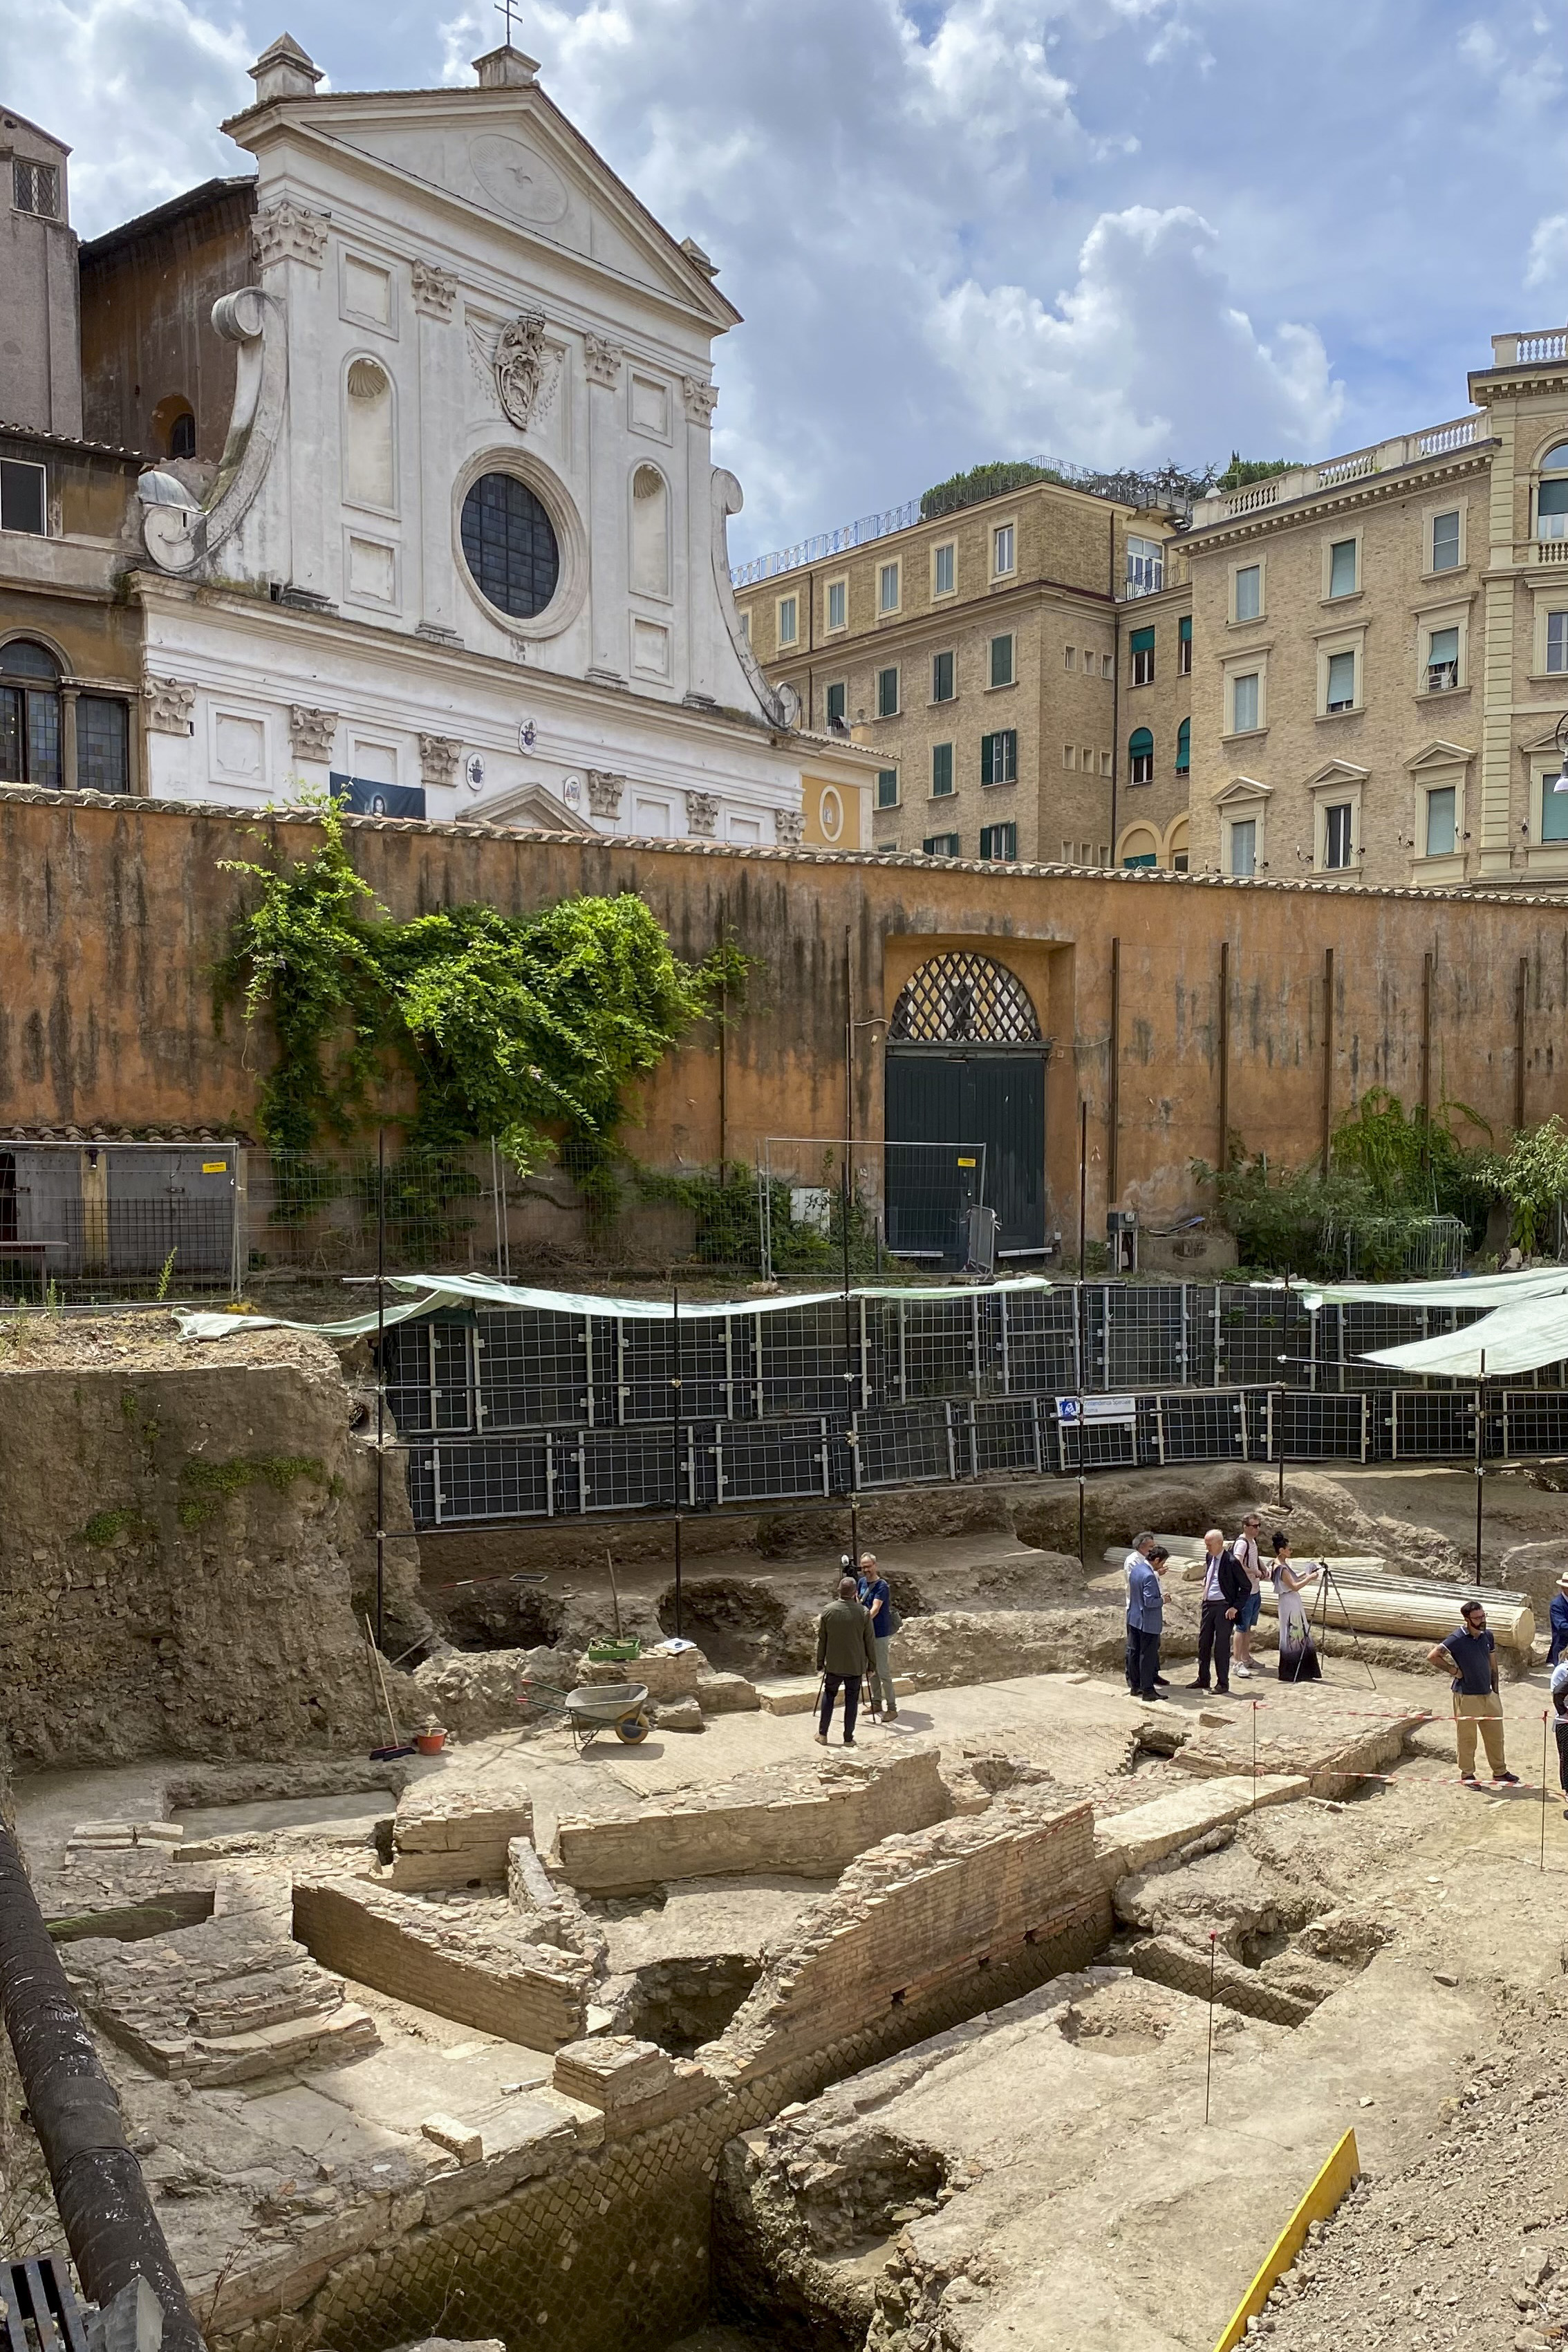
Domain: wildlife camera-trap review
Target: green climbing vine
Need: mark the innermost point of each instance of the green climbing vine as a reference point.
(528, 1028)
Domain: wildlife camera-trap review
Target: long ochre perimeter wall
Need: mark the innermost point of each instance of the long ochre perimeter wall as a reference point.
(1269, 1005)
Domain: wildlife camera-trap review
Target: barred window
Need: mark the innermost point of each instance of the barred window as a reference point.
(509, 545)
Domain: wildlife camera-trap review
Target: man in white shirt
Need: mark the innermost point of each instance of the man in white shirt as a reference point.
(1247, 1557)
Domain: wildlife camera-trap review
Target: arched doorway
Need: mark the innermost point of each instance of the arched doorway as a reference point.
(965, 1065)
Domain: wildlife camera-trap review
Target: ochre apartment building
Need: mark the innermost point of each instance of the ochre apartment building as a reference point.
(976, 651)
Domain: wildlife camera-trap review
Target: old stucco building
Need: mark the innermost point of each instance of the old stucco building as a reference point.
(427, 513)
(1381, 651)
(974, 648)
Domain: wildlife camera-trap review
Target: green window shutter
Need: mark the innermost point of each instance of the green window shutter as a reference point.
(1185, 631)
(941, 769)
(886, 788)
(1001, 661)
(1184, 748)
(836, 701)
(987, 751)
(1144, 641)
(1141, 744)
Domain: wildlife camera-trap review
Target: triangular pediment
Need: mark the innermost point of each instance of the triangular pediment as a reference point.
(1438, 754)
(1243, 788)
(531, 805)
(1547, 740)
(510, 155)
(1338, 771)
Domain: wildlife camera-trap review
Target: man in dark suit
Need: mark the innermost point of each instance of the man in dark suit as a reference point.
(1225, 1588)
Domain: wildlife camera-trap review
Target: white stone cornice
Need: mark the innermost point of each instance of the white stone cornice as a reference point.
(1371, 489)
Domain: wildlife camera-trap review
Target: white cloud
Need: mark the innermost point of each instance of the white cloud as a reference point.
(138, 86)
(1547, 264)
(1146, 354)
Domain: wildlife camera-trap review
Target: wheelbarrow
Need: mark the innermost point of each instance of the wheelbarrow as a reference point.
(620, 1708)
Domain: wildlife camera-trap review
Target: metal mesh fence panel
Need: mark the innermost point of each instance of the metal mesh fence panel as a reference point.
(1006, 1436)
(82, 1222)
(1135, 1337)
(1038, 1342)
(803, 1361)
(908, 1204)
(532, 1369)
(1254, 1329)
(491, 1478)
(1533, 1420)
(624, 1469)
(1198, 1425)
(1305, 1427)
(310, 1212)
(906, 1445)
(778, 1460)
(1099, 1444)
(1428, 1423)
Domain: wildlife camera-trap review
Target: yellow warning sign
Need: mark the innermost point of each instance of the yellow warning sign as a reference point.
(215, 1167)
(966, 1163)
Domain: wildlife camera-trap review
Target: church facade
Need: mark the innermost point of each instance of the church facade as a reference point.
(454, 545)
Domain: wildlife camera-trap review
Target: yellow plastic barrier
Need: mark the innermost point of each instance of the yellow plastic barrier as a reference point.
(1338, 2174)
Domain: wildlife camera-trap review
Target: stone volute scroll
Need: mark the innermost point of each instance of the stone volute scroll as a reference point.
(788, 827)
(178, 534)
(310, 731)
(519, 365)
(703, 814)
(604, 789)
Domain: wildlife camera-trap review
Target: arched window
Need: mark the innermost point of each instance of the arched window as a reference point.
(1139, 846)
(1141, 757)
(367, 435)
(650, 532)
(1178, 846)
(183, 435)
(963, 999)
(1184, 748)
(1552, 494)
(509, 546)
(29, 715)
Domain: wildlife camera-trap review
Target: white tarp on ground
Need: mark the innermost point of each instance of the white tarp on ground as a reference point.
(427, 1294)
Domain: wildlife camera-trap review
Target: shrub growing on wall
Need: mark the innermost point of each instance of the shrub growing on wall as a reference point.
(528, 1028)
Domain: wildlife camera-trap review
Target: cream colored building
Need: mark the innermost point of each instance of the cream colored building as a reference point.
(976, 652)
(1381, 651)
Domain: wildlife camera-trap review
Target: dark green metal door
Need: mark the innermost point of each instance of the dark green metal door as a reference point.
(965, 1099)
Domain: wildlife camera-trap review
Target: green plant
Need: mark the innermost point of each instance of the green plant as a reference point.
(165, 1276)
(528, 1028)
(106, 1527)
(205, 1484)
(989, 481)
(1242, 470)
(1531, 1176)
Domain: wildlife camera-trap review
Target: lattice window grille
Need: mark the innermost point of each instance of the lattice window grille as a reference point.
(963, 999)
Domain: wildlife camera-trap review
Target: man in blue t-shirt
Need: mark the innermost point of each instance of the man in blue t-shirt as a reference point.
(878, 1602)
(1469, 1655)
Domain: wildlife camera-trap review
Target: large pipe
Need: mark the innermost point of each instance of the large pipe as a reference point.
(109, 2224)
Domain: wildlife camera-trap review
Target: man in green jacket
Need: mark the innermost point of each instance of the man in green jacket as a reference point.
(846, 1652)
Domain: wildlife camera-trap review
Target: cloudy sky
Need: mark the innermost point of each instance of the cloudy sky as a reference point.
(1115, 231)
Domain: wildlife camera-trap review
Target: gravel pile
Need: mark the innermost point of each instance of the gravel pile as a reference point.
(36, 1338)
(1467, 2245)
